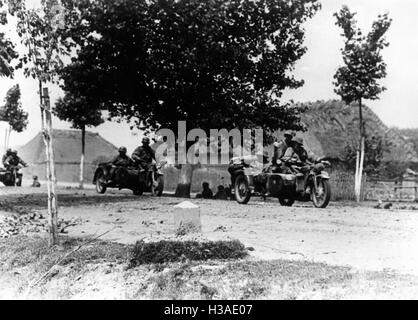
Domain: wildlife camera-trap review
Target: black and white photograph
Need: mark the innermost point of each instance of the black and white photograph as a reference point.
(219, 151)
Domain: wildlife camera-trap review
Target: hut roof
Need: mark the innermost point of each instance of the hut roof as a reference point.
(67, 147)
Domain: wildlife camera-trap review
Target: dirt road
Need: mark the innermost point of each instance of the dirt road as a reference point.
(343, 234)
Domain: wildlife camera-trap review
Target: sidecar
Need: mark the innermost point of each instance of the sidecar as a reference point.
(11, 178)
(277, 185)
(139, 181)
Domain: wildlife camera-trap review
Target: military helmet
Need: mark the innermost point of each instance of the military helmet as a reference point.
(298, 140)
(123, 149)
(146, 140)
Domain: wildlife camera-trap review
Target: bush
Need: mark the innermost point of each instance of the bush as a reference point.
(173, 251)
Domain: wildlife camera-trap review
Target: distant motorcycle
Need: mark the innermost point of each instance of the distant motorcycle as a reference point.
(305, 183)
(12, 176)
(139, 181)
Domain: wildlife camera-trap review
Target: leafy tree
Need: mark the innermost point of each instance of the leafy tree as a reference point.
(12, 113)
(358, 79)
(375, 147)
(7, 52)
(78, 111)
(215, 64)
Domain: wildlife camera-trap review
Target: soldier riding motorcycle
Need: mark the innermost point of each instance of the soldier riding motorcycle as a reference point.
(124, 173)
(12, 174)
(294, 180)
(144, 159)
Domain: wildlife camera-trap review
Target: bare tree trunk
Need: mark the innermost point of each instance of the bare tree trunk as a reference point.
(360, 160)
(83, 142)
(185, 181)
(50, 165)
(5, 140)
(356, 174)
(9, 131)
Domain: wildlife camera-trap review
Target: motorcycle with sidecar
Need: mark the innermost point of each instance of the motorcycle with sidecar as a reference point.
(138, 180)
(301, 183)
(12, 176)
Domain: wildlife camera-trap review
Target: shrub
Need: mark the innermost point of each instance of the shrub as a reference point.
(173, 251)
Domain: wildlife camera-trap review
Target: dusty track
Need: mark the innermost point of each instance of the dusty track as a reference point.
(344, 234)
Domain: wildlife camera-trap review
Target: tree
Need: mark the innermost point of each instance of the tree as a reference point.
(45, 39)
(215, 64)
(357, 80)
(13, 114)
(375, 147)
(7, 52)
(77, 110)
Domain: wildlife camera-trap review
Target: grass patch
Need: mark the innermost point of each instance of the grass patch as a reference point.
(22, 251)
(98, 270)
(174, 251)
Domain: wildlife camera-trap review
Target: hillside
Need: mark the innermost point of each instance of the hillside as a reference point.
(334, 124)
(410, 135)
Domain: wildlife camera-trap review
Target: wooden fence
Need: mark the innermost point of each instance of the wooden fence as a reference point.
(405, 189)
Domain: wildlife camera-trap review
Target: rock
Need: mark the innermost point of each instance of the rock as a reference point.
(220, 228)
(187, 218)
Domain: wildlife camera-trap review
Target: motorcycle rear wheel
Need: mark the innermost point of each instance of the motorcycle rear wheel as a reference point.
(242, 190)
(322, 200)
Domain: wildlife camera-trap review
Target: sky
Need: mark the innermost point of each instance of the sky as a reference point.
(398, 106)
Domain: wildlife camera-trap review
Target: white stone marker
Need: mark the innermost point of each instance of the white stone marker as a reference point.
(187, 217)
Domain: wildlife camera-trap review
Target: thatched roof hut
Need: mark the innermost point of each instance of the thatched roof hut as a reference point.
(67, 152)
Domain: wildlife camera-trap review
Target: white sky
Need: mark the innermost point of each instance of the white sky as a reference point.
(398, 106)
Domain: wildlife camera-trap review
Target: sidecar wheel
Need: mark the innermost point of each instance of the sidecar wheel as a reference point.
(242, 190)
(100, 182)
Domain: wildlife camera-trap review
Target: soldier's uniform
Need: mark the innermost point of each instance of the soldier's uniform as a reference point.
(13, 160)
(7, 154)
(297, 153)
(122, 160)
(281, 147)
(144, 155)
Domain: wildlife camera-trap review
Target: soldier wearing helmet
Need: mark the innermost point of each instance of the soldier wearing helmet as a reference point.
(144, 155)
(7, 154)
(12, 160)
(122, 160)
(281, 146)
(296, 153)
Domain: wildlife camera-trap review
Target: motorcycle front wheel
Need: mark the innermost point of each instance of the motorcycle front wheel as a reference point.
(100, 182)
(158, 190)
(242, 190)
(322, 195)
